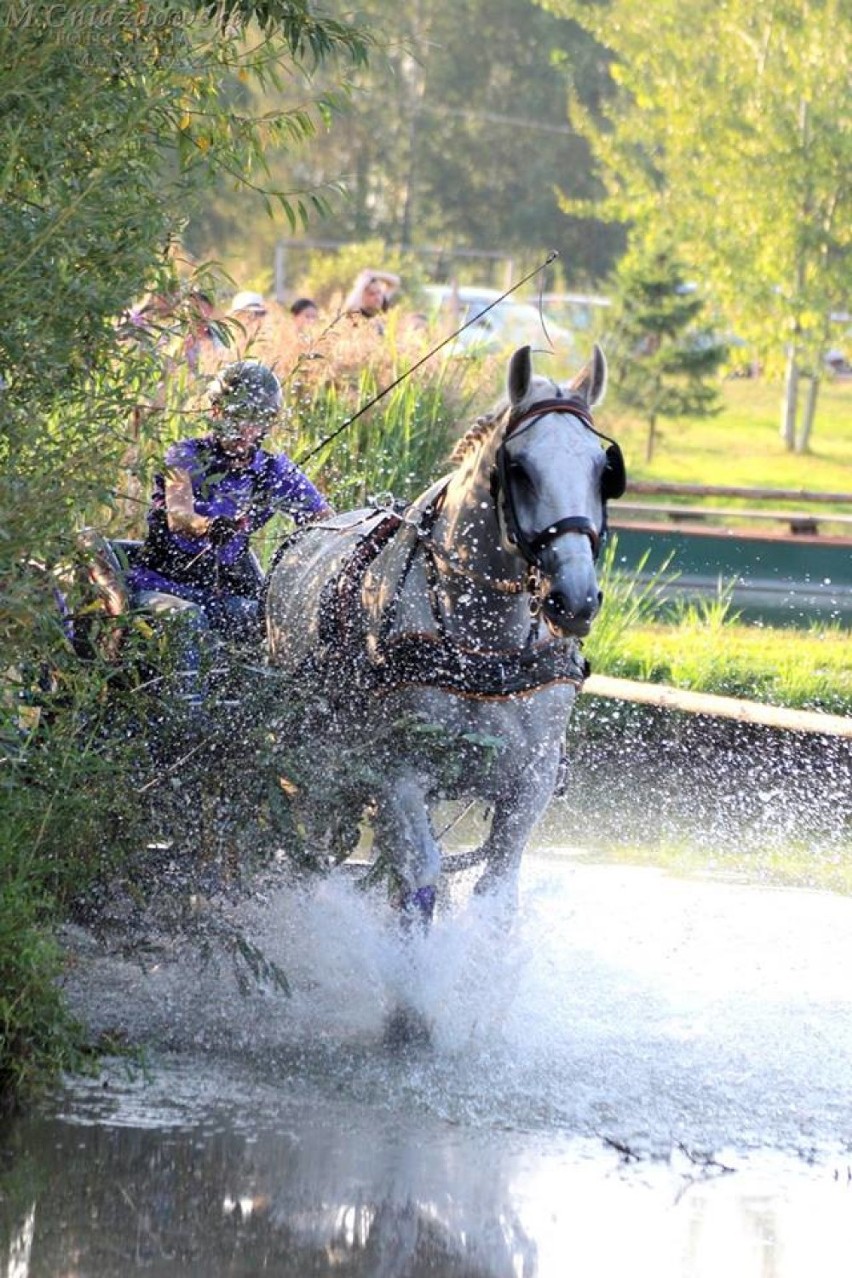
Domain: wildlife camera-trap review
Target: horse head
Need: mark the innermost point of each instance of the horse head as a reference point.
(551, 483)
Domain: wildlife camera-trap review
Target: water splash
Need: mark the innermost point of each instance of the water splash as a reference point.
(622, 1003)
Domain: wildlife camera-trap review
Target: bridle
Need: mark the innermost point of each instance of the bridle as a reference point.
(613, 482)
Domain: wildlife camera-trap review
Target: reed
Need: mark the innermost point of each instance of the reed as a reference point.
(627, 603)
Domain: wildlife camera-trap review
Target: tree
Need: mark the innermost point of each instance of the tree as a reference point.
(456, 137)
(738, 141)
(662, 356)
(112, 128)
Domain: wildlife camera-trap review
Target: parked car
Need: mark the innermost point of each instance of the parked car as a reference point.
(577, 311)
(506, 324)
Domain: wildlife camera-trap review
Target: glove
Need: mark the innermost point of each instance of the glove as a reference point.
(221, 529)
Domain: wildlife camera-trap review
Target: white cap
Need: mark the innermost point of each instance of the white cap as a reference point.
(247, 301)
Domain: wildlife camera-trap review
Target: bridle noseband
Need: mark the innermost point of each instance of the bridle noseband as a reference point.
(613, 484)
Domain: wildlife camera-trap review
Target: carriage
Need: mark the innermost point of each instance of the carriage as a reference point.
(459, 615)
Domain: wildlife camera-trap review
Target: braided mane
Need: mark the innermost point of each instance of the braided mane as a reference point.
(541, 387)
(474, 435)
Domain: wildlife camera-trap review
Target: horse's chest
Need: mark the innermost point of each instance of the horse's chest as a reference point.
(488, 745)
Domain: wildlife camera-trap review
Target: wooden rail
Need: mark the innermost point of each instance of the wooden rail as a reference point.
(798, 521)
(655, 488)
(668, 698)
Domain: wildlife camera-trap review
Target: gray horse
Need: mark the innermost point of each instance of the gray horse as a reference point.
(463, 610)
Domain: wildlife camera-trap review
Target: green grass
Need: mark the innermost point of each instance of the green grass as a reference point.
(805, 670)
(742, 444)
(704, 647)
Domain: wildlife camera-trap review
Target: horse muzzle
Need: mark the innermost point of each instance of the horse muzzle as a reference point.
(570, 613)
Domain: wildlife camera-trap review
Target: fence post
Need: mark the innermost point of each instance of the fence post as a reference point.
(280, 273)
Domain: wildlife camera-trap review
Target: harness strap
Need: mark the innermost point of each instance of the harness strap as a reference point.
(500, 585)
(571, 523)
(422, 520)
(573, 405)
(340, 611)
(433, 661)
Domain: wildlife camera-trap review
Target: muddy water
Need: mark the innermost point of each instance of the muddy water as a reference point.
(646, 1071)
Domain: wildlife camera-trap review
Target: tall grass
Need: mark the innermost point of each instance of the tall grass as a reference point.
(627, 603)
(399, 445)
(700, 659)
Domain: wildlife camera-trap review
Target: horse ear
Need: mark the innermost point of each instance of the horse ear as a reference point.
(520, 375)
(590, 382)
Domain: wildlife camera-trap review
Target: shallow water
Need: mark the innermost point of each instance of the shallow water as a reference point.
(643, 1067)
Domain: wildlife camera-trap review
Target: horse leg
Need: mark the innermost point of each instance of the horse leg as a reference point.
(515, 817)
(403, 833)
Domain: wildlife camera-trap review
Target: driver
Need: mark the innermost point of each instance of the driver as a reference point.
(215, 491)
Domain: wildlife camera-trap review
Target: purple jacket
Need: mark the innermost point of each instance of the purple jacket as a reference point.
(269, 484)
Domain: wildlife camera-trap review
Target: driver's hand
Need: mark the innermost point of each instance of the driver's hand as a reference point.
(222, 529)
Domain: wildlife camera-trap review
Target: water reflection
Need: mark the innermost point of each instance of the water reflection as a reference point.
(128, 1180)
(322, 1197)
(700, 1025)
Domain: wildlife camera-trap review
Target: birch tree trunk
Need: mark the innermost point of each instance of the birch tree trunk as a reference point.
(789, 404)
(652, 435)
(803, 440)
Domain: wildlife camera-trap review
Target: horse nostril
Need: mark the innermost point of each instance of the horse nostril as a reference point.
(600, 598)
(559, 605)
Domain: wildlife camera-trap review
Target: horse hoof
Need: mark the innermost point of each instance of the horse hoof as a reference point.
(418, 907)
(406, 1030)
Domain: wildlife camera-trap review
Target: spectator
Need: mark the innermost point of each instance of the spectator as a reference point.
(248, 305)
(304, 312)
(250, 311)
(371, 294)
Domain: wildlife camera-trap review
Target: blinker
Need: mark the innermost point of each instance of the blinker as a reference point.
(613, 485)
(614, 477)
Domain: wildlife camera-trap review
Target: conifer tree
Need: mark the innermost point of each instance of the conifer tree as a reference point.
(664, 356)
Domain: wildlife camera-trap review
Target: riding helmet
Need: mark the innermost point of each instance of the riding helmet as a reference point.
(245, 390)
